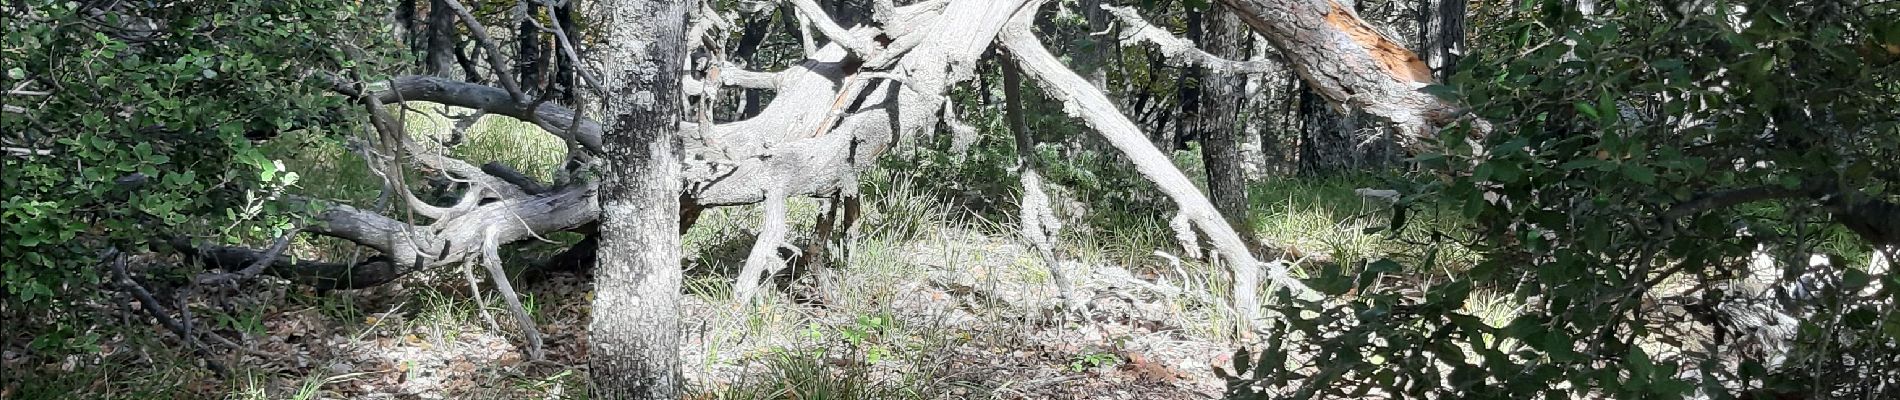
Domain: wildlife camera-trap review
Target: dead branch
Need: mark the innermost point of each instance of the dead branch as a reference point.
(1082, 100)
(123, 280)
(814, 14)
(491, 257)
(1177, 51)
(503, 73)
(763, 261)
(1038, 222)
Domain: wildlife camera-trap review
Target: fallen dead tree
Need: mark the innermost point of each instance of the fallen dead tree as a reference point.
(834, 114)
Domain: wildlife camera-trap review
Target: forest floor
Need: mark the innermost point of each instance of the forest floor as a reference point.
(957, 314)
(924, 299)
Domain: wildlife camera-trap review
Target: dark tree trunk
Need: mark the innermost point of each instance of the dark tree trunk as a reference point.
(1329, 143)
(1221, 130)
(756, 29)
(1189, 89)
(634, 345)
(1326, 136)
(406, 26)
(528, 53)
(564, 66)
(1441, 31)
(439, 58)
(1093, 61)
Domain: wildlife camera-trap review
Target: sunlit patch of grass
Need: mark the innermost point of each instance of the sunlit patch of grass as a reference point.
(898, 207)
(811, 375)
(442, 317)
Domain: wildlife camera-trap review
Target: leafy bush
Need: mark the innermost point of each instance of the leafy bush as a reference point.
(131, 138)
(1639, 159)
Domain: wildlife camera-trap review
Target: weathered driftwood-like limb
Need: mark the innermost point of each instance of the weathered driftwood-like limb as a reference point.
(491, 258)
(725, 168)
(1183, 227)
(1346, 61)
(763, 261)
(1178, 51)
(862, 46)
(1038, 221)
(1082, 100)
(733, 75)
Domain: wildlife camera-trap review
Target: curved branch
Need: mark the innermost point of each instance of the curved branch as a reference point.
(558, 120)
(495, 62)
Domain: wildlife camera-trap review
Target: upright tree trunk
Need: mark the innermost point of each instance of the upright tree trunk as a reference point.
(1441, 35)
(1329, 138)
(439, 58)
(1188, 91)
(750, 38)
(1218, 120)
(564, 75)
(528, 54)
(1326, 136)
(634, 345)
(405, 17)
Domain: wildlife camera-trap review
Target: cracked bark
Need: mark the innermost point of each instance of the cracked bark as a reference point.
(1344, 60)
(1220, 127)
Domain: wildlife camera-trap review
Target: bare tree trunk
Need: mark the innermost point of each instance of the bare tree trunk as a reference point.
(1221, 130)
(634, 343)
(440, 56)
(1326, 137)
(564, 74)
(1441, 31)
(528, 54)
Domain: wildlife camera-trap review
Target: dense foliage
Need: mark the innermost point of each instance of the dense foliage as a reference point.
(137, 126)
(1640, 155)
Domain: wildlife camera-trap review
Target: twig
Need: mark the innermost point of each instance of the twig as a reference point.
(124, 281)
(502, 72)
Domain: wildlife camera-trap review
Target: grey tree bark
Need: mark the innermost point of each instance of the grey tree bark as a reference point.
(633, 350)
(1221, 130)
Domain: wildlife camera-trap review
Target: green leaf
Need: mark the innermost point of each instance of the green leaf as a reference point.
(1640, 173)
(1586, 109)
